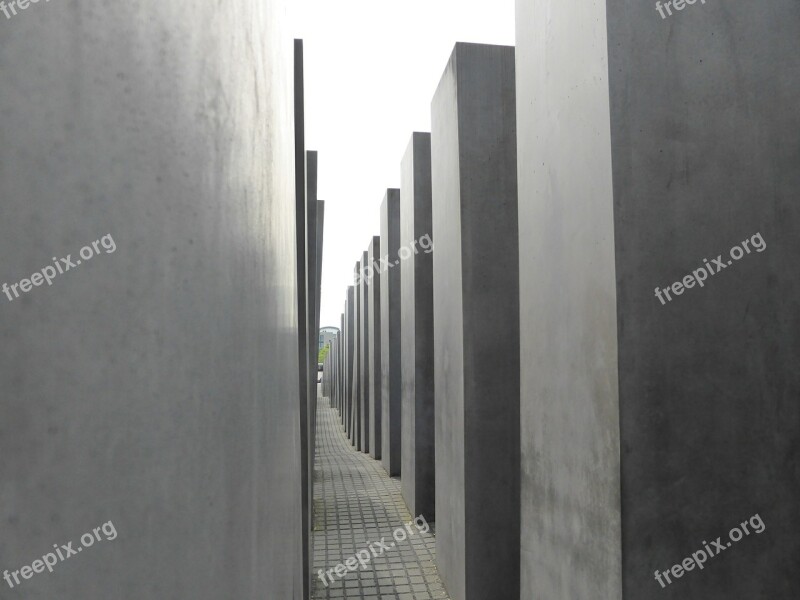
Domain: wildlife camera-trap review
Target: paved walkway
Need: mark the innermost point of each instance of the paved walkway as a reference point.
(356, 504)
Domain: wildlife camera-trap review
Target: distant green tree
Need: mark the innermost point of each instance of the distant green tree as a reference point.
(323, 353)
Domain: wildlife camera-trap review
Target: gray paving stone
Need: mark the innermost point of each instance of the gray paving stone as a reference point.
(356, 504)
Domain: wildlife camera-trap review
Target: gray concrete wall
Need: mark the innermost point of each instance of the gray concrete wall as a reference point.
(568, 339)
(448, 336)
(155, 386)
(390, 334)
(476, 320)
(698, 120)
(418, 455)
(705, 156)
(363, 356)
(374, 352)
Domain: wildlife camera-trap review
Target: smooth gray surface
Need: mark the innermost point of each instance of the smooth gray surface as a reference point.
(374, 353)
(156, 386)
(301, 241)
(418, 456)
(329, 371)
(340, 368)
(702, 139)
(705, 155)
(343, 360)
(448, 337)
(390, 334)
(363, 357)
(476, 324)
(349, 359)
(320, 242)
(568, 338)
(310, 231)
(355, 416)
(319, 230)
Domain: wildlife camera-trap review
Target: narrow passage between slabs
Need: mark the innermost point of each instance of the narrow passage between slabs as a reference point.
(357, 506)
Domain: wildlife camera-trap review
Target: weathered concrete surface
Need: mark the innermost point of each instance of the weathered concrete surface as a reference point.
(374, 351)
(705, 156)
(418, 455)
(699, 123)
(569, 406)
(363, 356)
(568, 344)
(391, 429)
(476, 320)
(155, 386)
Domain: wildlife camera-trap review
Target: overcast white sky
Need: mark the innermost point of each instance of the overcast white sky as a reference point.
(371, 69)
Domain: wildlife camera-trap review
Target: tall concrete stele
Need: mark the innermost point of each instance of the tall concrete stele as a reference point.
(416, 330)
(355, 389)
(308, 228)
(476, 321)
(349, 362)
(363, 356)
(340, 368)
(374, 349)
(646, 145)
(390, 333)
(156, 387)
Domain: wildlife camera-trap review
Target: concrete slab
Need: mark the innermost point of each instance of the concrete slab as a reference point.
(349, 367)
(390, 334)
(416, 325)
(155, 386)
(374, 352)
(677, 414)
(339, 370)
(363, 357)
(355, 417)
(302, 301)
(319, 226)
(309, 313)
(476, 320)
